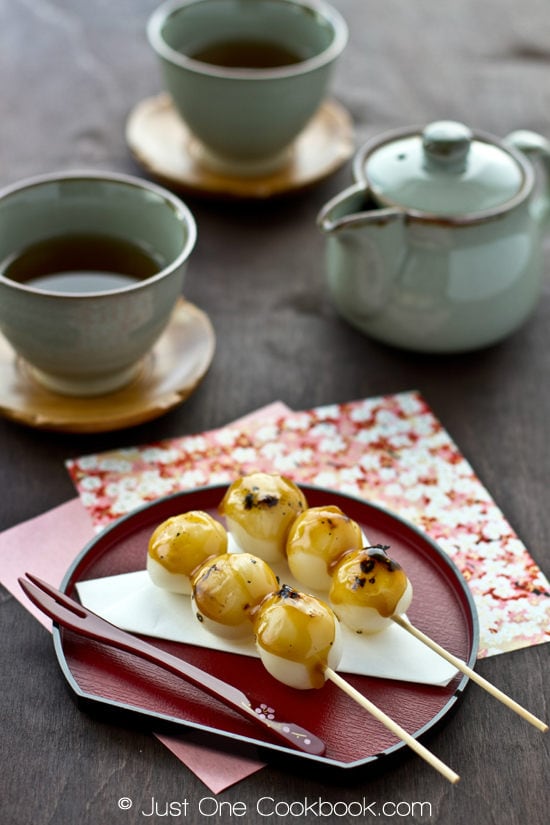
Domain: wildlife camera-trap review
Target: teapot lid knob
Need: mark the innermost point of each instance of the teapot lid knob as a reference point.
(446, 143)
(443, 169)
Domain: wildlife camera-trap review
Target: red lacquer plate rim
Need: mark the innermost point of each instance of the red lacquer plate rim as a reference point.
(367, 513)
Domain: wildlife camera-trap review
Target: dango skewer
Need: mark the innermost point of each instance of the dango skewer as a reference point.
(227, 589)
(394, 727)
(298, 637)
(299, 641)
(179, 545)
(317, 538)
(370, 590)
(472, 674)
(259, 509)
(237, 594)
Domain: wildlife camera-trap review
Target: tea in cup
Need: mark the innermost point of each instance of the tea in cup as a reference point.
(246, 76)
(91, 267)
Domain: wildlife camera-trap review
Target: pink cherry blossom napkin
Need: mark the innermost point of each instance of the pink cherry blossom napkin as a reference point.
(391, 450)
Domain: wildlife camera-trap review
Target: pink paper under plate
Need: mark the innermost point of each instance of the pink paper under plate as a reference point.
(44, 545)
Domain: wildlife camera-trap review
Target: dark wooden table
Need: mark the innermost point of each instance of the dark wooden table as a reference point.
(71, 70)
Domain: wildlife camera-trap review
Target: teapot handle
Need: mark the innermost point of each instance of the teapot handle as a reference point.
(538, 147)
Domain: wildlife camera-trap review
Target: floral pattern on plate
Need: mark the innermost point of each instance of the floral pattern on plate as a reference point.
(391, 450)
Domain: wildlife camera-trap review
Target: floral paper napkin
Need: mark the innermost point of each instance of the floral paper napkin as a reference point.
(391, 450)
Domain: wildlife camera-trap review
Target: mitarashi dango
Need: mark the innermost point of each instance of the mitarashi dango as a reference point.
(298, 638)
(179, 545)
(316, 540)
(259, 510)
(227, 589)
(368, 588)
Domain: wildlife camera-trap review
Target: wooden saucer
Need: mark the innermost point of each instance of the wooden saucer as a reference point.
(168, 375)
(162, 144)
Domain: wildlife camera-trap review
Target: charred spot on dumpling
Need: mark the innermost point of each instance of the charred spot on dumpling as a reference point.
(367, 565)
(368, 588)
(298, 638)
(287, 592)
(259, 509)
(269, 501)
(378, 553)
(255, 498)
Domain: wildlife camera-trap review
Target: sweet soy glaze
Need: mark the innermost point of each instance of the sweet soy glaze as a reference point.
(259, 510)
(179, 545)
(227, 588)
(371, 578)
(299, 628)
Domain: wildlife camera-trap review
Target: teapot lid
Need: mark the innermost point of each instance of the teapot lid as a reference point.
(443, 170)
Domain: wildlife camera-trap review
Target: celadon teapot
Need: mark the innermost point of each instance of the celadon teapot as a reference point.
(437, 247)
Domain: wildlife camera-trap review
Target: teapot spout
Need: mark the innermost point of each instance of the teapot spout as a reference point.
(355, 208)
(365, 249)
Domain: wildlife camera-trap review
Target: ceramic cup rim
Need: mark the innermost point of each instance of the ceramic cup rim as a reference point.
(329, 14)
(180, 210)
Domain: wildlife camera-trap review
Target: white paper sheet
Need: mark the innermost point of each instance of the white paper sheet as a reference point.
(132, 602)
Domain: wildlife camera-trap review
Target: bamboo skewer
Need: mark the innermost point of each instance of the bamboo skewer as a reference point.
(392, 726)
(475, 677)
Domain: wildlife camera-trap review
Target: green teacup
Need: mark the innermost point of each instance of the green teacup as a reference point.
(246, 76)
(91, 267)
